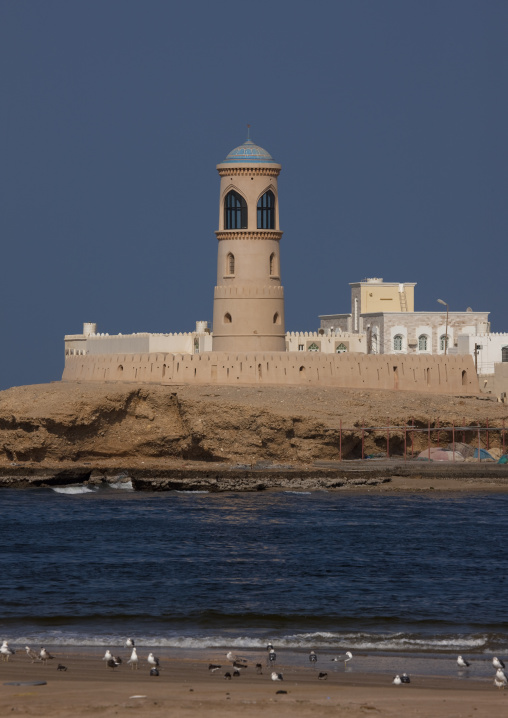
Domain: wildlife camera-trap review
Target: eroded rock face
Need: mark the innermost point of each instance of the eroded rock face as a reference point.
(145, 424)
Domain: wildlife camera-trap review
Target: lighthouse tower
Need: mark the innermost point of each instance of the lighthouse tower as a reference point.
(248, 308)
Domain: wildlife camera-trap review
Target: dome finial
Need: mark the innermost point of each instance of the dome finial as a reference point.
(248, 132)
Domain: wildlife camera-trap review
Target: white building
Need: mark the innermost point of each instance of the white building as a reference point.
(384, 312)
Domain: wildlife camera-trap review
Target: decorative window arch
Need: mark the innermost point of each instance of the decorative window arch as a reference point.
(235, 211)
(423, 343)
(444, 342)
(341, 348)
(313, 347)
(266, 210)
(504, 353)
(273, 264)
(230, 263)
(398, 341)
(227, 318)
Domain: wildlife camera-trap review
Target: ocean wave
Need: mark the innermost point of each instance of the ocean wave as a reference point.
(123, 485)
(332, 643)
(79, 489)
(302, 493)
(180, 491)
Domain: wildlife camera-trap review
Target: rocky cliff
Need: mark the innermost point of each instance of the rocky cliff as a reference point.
(148, 424)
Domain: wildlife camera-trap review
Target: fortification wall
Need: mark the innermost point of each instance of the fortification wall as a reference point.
(423, 373)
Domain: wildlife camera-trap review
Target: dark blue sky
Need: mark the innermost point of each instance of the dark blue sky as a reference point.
(389, 119)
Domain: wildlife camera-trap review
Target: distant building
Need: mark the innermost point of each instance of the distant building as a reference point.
(384, 312)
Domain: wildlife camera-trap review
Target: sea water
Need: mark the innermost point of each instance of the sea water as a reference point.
(377, 575)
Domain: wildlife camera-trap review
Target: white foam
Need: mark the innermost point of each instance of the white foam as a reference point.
(124, 485)
(178, 491)
(72, 489)
(301, 493)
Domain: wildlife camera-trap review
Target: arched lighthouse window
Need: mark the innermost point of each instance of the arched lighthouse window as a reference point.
(266, 211)
(235, 211)
(273, 264)
(230, 263)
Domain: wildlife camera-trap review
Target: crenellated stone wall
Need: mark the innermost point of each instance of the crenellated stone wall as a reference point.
(423, 373)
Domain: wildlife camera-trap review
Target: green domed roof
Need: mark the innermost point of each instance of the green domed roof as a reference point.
(248, 152)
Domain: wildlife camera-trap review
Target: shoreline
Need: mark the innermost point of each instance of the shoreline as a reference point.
(185, 687)
(378, 475)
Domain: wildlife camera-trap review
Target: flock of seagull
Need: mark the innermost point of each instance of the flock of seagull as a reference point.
(500, 679)
(238, 663)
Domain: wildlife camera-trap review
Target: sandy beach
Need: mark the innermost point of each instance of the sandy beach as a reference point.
(186, 688)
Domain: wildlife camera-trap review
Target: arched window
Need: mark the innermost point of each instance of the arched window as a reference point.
(504, 354)
(341, 348)
(235, 211)
(423, 343)
(266, 211)
(227, 318)
(397, 343)
(273, 264)
(313, 347)
(443, 342)
(230, 263)
(276, 318)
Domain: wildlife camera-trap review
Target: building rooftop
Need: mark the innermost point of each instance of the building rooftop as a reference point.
(248, 152)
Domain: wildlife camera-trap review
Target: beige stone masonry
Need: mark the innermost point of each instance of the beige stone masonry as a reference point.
(424, 373)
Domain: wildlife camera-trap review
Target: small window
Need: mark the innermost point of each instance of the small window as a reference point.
(313, 347)
(266, 211)
(504, 354)
(443, 342)
(230, 263)
(397, 343)
(227, 318)
(341, 348)
(235, 211)
(273, 264)
(301, 347)
(276, 318)
(423, 343)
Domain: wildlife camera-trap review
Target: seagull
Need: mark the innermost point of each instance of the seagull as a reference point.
(235, 659)
(117, 660)
(259, 669)
(213, 667)
(276, 676)
(497, 663)
(397, 680)
(227, 676)
(269, 647)
(152, 660)
(323, 676)
(60, 667)
(501, 678)
(112, 663)
(348, 657)
(462, 663)
(236, 673)
(312, 657)
(405, 678)
(108, 656)
(154, 671)
(45, 655)
(6, 651)
(239, 666)
(133, 660)
(129, 643)
(32, 654)
(272, 656)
